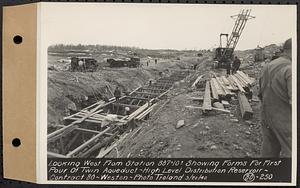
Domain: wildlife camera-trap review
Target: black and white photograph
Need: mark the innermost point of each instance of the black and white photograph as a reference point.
(170, 81)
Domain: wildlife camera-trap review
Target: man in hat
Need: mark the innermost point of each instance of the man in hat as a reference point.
(275, 93)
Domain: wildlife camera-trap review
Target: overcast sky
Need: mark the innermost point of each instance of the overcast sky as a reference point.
(163, 26)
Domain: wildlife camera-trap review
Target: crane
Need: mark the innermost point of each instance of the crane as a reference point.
(224, 55)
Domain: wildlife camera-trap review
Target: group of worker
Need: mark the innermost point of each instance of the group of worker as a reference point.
(231, 69)
(148, 62)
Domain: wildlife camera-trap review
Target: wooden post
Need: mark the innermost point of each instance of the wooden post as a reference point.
(245, 107)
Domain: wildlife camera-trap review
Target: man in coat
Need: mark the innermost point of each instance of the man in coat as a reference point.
(275, 93)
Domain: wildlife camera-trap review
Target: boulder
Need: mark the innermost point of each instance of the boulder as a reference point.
(180, 123)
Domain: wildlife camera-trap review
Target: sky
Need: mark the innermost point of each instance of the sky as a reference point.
(163, 26)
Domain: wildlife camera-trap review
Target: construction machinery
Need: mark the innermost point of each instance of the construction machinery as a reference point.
(83, 64)
(124, 62)
(224, 54)
(259, 54)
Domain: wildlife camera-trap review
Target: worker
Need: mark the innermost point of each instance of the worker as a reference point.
(228, 67)
(81, 64)
(117, 93)
(155, 61)
(150, 82)
(195, 66)
(127, 111)
(236, 64)
(275, 93)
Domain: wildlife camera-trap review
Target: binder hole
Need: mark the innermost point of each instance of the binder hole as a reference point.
(18, 39)
(16, 142)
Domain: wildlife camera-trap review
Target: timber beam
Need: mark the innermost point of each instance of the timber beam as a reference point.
(245, 107)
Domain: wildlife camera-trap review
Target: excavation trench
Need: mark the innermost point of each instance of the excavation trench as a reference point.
(103, 124)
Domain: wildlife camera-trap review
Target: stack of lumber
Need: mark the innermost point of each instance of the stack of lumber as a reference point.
(224, 87)
(220, 89)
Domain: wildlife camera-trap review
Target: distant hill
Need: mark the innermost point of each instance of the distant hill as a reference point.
(117, 51)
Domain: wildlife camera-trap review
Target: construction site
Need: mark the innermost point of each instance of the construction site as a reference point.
(173, 103)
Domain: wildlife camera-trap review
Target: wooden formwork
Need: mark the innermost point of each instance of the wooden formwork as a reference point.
(94, 130)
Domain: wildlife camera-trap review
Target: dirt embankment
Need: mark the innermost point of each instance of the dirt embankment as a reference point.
(75, 90)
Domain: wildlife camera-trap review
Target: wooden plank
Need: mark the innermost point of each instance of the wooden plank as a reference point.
(62, 130)
(237, 84)
(246, 77)
(55, 155)
(232, 83)
(137, 112)
(227, 92)
(197, 98)
(147, 111)
(125, 105)
(136, 89)
(147, 93)
(87, 120)
(79, 148)
(139, 98)
(207, 98)
(219, 89)
(152, 89)
(241, 80)
(245, 107)
(200, 107)
(96, 146)
(105, 151)
(112, 94)
(245, 82)
(164, 93)
(214, 93)
(87, 130)
(226, 83)
(197, 80)
(81, 114)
